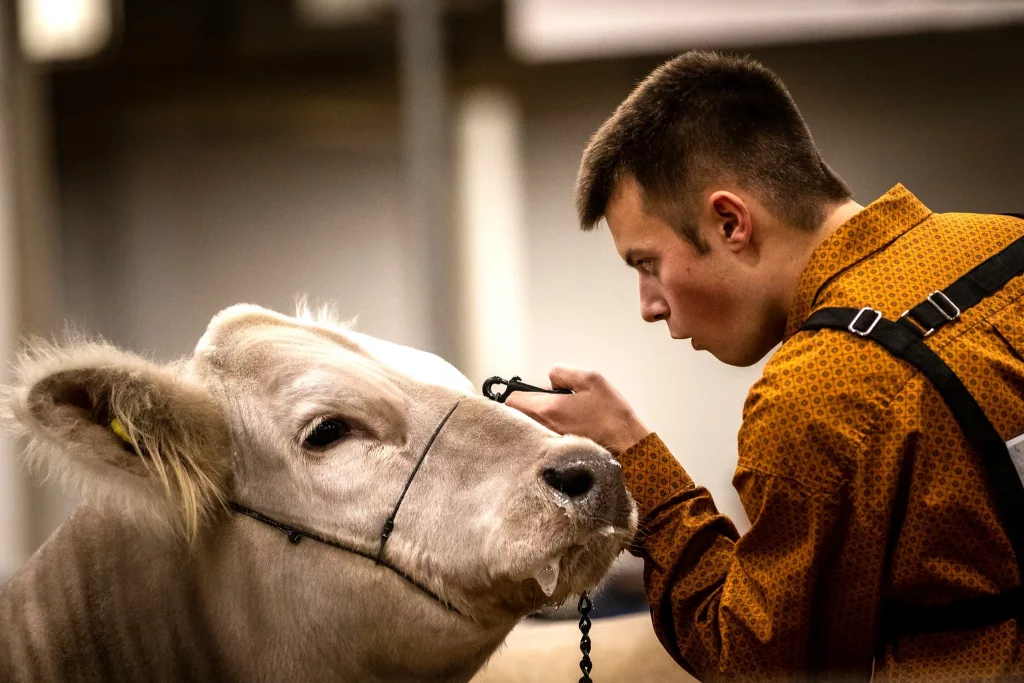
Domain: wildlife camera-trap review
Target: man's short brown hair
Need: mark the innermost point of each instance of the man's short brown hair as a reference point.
(700, 118)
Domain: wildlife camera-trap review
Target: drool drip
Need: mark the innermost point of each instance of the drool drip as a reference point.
(547, 577)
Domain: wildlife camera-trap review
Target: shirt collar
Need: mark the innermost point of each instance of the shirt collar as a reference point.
(877, 225)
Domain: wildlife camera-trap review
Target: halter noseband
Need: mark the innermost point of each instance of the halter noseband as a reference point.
(295, 535)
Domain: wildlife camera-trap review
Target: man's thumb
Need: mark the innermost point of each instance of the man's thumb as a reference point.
(567, 377)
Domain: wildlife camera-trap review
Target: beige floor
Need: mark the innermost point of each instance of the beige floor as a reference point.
(625, 649)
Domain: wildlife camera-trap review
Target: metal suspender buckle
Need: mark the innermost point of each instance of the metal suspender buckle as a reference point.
(853, 323)
(916, 325)
(947, 308)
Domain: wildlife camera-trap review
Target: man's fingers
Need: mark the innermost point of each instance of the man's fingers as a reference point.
(537, 406)
(527, 402)
(568, 377)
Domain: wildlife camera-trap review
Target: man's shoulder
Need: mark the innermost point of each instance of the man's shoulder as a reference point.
(814, 406)
(826, 368)
(929, 256)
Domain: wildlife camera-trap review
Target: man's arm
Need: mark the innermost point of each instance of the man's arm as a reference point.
(724, 607)
(727, 607)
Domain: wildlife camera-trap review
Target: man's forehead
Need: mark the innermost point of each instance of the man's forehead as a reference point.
(625, 205)
(635, 232)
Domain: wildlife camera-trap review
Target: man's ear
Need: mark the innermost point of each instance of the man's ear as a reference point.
(734, 226)
(124, 431)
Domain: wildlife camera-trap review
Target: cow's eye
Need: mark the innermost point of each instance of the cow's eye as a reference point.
(326, 432)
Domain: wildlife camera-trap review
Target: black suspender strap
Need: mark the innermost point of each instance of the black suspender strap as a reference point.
(944, 306)
(903, 343)
(900, 619)
(905, 340)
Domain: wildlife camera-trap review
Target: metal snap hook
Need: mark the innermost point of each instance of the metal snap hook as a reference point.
(514, 384)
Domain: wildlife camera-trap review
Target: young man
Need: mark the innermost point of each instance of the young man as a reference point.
(879, 535)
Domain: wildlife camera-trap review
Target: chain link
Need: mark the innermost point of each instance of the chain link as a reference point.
(585, 605)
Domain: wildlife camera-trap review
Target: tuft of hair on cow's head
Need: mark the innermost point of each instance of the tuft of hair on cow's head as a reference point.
(122, 431)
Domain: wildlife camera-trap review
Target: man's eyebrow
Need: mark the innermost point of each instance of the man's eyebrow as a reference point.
(632, 256)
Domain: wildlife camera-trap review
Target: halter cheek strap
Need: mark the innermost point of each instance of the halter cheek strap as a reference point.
(389, 523)
(295, 535)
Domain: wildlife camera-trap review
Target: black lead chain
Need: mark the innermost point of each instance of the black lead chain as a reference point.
(585, 605)
(586, 666)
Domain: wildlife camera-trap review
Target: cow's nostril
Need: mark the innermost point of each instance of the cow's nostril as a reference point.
(574, 481)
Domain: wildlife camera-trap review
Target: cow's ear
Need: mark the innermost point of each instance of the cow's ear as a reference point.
(124, 431)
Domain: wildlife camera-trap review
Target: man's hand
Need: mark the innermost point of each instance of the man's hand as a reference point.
(595, 410)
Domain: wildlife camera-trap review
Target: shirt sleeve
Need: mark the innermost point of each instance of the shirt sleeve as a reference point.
(728, 607)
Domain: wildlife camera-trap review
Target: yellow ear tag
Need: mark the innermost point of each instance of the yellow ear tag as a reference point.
(119, 429)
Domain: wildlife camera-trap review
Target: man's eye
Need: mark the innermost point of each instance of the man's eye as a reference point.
(326, 432)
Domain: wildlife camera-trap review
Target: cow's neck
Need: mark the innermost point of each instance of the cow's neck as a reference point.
(243, 604)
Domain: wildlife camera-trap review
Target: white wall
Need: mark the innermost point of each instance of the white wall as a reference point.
(189, 215)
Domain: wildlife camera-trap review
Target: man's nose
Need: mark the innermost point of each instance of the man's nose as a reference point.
(653, 306)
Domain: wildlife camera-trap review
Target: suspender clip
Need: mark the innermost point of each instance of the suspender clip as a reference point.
(853, 323)
(916, 325)
(947, 308)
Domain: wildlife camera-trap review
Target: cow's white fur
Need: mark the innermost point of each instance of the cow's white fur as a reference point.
(228, 423)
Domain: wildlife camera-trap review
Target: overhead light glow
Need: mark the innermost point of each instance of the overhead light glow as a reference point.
(328, 12)
(58, 30)
(552, 30)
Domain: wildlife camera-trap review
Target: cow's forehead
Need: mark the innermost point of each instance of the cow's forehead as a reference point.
(247, 326)
(419, 365)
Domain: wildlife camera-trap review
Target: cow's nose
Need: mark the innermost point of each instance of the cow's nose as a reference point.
(574, 479)
(585, 478)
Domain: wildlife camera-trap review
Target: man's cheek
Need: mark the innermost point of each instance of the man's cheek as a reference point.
(701, 308)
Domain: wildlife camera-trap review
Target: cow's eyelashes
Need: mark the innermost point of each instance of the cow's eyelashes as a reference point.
(326, 432)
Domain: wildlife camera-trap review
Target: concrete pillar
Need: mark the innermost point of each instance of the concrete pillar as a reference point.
(492, 244)
(13, 499)
(430, 252)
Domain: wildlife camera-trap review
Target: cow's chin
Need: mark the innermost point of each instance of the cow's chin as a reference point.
(577, 560)
(580, 567)
(560, 557)
(515, 596)
(568, 569)
(548, 575)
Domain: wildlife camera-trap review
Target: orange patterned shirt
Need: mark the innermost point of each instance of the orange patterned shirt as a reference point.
(826, 433)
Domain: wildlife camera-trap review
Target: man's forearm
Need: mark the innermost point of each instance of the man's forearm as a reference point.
(728, 608)
(675, 514)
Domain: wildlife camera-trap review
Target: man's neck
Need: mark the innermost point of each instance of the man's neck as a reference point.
(839, 215)
(801, 254)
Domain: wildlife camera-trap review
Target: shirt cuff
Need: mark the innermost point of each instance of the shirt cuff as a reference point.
(652, 474)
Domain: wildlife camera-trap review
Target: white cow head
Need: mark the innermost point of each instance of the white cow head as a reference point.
(319, 428)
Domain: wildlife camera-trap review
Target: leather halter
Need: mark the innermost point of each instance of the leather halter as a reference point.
(295, 534)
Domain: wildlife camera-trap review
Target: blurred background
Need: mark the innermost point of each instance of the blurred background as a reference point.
(412, 162)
